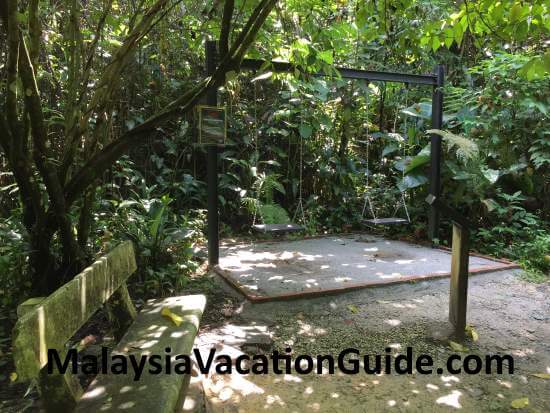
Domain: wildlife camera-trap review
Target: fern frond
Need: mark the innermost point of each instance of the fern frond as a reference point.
(266, 185)
(273, 214)
(252, 205)
(465, 149)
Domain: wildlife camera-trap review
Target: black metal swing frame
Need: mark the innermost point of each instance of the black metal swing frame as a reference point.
(435, 80)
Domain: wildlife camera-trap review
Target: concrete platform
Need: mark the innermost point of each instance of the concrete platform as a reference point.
(266, 271)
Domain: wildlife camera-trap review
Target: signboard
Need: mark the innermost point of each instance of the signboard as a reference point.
(212, 125)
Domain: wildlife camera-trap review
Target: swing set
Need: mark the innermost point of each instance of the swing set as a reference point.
(271, 227)
(393, 220)
(280, 228)
(435, 80)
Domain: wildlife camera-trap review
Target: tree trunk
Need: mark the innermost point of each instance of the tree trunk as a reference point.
(42, 269)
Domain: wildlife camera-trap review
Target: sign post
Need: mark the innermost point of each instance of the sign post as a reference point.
(212, 162)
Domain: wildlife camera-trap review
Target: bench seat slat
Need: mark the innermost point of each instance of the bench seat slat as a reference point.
(150, 334)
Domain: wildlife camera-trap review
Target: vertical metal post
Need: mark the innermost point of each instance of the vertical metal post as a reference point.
(435, 151)
(212, 166)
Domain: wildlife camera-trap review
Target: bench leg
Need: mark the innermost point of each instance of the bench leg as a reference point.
(121, 311)
(59, 392)
(459, 281)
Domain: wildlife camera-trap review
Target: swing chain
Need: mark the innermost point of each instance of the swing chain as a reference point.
(405, 144)
(367, 197)
(256, 151)
(402, 192)
(300, 206)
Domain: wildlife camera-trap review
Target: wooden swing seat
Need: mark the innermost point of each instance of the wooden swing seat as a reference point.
(278, 228)
(386, 221)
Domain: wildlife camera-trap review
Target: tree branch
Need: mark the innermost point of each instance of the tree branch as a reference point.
(43, 158)
(106, 85)
(110, 153)
(12, 69)
(113, 70)
(228, 9)
(93, 46)
(12, 140)
(35, 32)
(72, 104)
(251, 28)
(22, 173)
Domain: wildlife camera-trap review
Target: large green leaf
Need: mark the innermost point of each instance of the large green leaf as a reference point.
(263, 76)
(417, 162)
(412, 181)
(389, 149)
(412, 165)
(465, 149)
(326, 56)
(491, 175)
(305, 131)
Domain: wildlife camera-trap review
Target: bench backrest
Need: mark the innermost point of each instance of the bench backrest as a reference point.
(58, 317)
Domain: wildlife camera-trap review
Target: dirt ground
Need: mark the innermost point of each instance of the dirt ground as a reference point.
(510, 316)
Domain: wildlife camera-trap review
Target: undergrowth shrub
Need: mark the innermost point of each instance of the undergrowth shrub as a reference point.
(14, 250)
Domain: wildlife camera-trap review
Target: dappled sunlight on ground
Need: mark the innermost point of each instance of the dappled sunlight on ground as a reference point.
(279, 269)
(509, 315)
(345, 393)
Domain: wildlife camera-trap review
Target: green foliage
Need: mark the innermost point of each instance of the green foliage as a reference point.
(506, 24)
(534, 257)
(266, 185)
(517, 234)
(166, 241)
(273, 214)
(263, 205)
(14, 283)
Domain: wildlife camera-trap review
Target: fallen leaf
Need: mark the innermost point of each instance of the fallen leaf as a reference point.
(86, 341)
(472, 332)
(457, 347)
(353, 308)
(176, 319)
(541, 375)
(13, 376)
(520, 403)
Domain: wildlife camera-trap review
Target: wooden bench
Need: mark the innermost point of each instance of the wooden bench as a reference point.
(49, 323)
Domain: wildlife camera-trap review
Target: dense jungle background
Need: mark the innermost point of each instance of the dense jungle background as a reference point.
(98, 129)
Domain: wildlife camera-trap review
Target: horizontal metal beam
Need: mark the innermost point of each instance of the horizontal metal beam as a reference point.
(431, 79)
